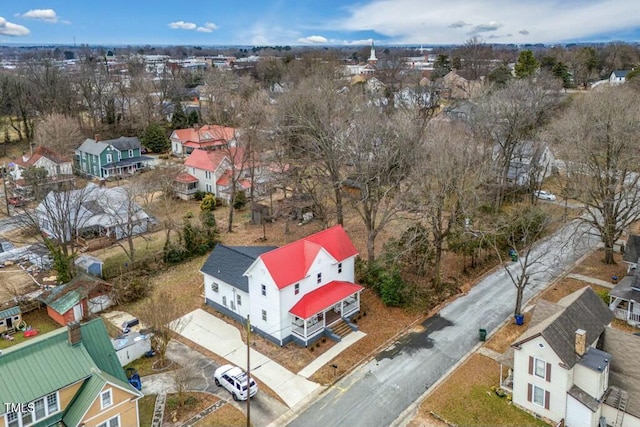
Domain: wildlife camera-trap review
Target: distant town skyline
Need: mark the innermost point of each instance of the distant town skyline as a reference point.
(317, 22)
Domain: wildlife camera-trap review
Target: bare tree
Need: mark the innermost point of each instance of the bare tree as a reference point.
(518, 236)
(381, 153)
(444, 184)
(164, 320)
(59, 132)
(315, 118)
(599, 139)
(507, 118)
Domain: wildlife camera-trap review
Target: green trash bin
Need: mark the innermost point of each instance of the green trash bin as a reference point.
(482, 333)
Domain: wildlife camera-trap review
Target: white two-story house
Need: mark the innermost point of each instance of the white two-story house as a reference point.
(557, 371)
(212, 172)
(292, 293)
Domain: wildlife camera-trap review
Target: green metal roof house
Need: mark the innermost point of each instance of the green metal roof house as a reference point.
(70, 376)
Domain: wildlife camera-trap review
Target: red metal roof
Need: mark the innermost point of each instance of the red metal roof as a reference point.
(186, 178)
(322, 298)
(205, 160)
(205, 133)
(42, 151)
(289, 264)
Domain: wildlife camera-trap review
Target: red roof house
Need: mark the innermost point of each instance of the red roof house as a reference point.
(207, 137)
(297, 292)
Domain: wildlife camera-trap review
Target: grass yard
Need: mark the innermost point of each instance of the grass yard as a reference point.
(467, 399)
(144, 366)
(145, 408)
(37, 319)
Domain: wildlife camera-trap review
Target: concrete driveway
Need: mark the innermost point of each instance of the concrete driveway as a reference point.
(264, 408)
(224, 339)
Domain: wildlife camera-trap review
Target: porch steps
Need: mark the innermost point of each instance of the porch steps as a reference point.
(341, 329)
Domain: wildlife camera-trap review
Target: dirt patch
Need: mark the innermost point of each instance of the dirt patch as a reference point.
(593, 266)
(194, 403)
(226, 416)
(14, 281)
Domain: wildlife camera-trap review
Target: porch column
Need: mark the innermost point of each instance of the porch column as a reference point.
(305, 328)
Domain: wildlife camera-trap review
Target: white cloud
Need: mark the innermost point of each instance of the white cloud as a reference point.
(48, 15)
(10, 29)
(313, 40)
(207, 28)
(181, 25)
(547, 21)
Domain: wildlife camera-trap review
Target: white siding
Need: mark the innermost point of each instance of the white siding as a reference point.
(611, 413)
(270, 302)
(228, 291)
(579, 415)
(594, 383)
(561, 379)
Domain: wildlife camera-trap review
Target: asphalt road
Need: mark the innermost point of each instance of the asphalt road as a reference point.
(378, 392)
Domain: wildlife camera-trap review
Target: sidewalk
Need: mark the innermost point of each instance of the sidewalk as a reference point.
(591, 280)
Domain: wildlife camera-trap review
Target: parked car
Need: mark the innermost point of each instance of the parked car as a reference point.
(234, 380)
(17, 201)
(544, 195)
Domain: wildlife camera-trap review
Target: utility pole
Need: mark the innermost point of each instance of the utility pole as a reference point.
(248, 374)
(4, 186)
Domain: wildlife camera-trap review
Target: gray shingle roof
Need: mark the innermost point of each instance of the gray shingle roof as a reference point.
(624, 371)
(92, 146)
(582, 309)
(228, 263)
(632, 249)
(595, 359)
(584, 398)
(124, 143)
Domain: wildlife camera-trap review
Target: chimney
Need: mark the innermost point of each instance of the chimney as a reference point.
(74, 336)
(581, 342)
(97, 137)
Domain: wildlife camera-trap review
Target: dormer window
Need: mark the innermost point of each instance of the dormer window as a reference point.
(319, 278)
(130, 153)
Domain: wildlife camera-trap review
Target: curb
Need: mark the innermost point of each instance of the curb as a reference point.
(409, 414)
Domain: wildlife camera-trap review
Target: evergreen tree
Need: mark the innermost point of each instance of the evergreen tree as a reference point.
(526, 65)
(155, 138)
(179, 119)
(441, 67)
(500, 76)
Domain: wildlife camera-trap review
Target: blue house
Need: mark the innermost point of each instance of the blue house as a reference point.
(113, 157)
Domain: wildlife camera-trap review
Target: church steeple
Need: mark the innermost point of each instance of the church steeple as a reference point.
(372, 59)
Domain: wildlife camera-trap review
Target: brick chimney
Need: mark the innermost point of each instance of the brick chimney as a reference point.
(581, 342)
(74, 336)
(97, 137)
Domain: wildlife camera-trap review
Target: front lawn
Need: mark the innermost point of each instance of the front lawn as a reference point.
(467, 398)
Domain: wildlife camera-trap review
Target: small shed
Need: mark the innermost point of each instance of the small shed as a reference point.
(10, 318)
(131, 346)
(90, 265)
(75, 300)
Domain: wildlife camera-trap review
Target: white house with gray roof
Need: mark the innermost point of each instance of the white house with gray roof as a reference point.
(565, 367)
(113, 157)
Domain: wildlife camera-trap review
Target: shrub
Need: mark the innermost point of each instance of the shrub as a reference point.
(240, 200)
(199, 195)
(604, 295)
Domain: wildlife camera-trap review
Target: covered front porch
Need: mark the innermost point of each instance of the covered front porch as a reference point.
(322, 308)
(624, 301)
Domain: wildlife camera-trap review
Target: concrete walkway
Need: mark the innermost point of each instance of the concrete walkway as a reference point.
(224, 339)
(328, 355)
(591, 280)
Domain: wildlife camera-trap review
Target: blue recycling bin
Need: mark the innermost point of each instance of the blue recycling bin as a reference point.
(519, 319)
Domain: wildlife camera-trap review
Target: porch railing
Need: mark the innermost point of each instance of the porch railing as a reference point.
(620, 313)
(350, 308)
(311, 330)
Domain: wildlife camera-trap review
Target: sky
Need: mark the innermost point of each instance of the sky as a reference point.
(316, 22)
